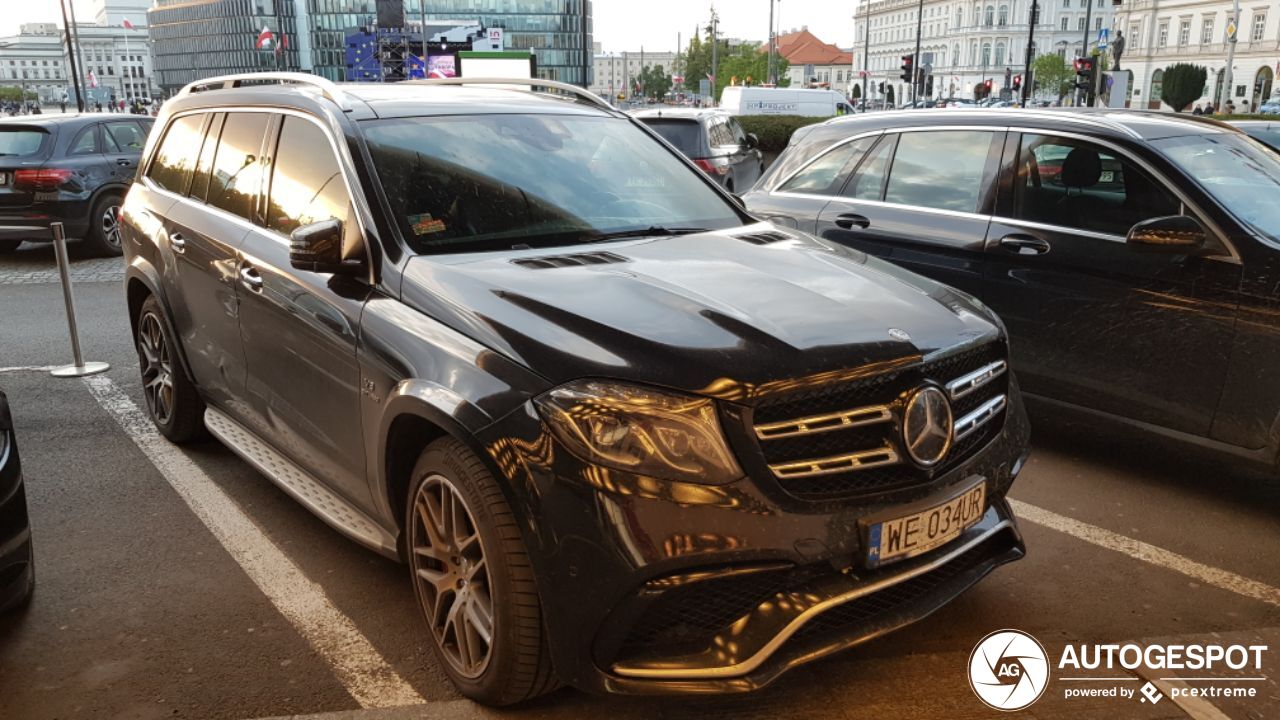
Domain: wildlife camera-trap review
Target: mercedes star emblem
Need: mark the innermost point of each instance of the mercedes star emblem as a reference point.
(926, 426)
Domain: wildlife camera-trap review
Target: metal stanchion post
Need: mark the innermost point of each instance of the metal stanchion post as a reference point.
(80, 368)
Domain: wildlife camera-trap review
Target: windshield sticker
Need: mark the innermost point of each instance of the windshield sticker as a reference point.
(424, 224)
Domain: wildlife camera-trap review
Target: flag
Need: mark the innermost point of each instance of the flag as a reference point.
(93, 79)
(264, 38)
(127, 25)
(283, 44)
(417, 66)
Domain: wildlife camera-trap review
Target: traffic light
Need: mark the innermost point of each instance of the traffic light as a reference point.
(908, 68)
(1084, 72)
(1017, 83)
(928, 86)
(987, 84)
(880, 87)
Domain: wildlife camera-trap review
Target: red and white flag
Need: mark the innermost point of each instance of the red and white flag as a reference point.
(127, 25)
(264, 38)
(283, 44)
(93, 79)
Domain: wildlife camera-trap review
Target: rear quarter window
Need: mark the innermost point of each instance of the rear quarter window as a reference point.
(22, 141)
(686, 135)
(176, 156)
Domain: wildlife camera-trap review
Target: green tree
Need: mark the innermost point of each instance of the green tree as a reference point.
(749, 65)
(1183, 84)
(14, 94)
(1052, 74)
(655, 83)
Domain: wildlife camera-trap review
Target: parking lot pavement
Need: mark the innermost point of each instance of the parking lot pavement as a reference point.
(180, 583)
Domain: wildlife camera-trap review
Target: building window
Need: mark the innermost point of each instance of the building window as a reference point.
(1080, 24)
(1004, 15)
(986, 54)
(959, 17)
(1206, 31)
(1259, 26)
(999, 54)
(989, 16)
(1064, 22)
(1097, 23)
(1162, 36)
(1184, 32)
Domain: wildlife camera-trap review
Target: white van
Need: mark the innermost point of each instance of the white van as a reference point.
(783, 101)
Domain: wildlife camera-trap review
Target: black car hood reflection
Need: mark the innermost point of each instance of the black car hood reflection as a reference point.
(703, 313)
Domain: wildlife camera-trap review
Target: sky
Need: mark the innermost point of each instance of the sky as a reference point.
(627, 24)
(619, 24)
(17, 12)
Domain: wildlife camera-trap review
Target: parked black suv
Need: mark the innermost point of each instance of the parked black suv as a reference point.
(69, 168)
(624, 436)
(1131, 254)
(17, 561)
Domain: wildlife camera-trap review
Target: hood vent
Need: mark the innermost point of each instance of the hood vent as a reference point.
(560, 261)
(764, 238)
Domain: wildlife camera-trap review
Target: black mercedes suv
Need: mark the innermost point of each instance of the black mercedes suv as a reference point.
(623, 435)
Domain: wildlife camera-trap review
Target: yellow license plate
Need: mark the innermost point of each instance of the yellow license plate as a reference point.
(920, 532)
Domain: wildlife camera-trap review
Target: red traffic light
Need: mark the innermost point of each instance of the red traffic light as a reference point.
(987, 84)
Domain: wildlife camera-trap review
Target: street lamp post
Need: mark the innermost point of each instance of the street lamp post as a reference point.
(1231, 58)
(915, 59)
(1084, 50)
(866, 49)
(1031, 50)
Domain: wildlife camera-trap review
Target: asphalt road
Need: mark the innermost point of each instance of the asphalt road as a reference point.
(143, 610)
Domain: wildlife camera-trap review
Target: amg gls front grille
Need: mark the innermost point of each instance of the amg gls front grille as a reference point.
(844, 439)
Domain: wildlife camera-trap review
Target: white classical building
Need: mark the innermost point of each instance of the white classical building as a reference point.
(613, 72)
(967, 42)
(1160, 33)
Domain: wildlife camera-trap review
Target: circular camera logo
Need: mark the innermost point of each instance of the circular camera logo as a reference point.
(1008, 670)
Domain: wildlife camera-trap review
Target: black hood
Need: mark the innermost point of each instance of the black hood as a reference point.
(700, 313)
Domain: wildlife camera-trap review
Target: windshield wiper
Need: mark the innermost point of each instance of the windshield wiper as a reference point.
(651, 231)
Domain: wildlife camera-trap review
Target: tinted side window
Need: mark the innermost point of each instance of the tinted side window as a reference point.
(176, 155)
(237, 166)
(1077, 184)
(200, 181)
(944, 170)
(720, 134)
(124, 136)
(868, 181)
(306, 183)
(86, 142)
(739, 135)
(827, 174)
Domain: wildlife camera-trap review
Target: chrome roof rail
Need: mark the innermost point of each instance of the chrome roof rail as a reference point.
(531, 82)
(226, 82)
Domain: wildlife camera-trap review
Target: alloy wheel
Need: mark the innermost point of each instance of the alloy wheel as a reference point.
(157, 368)
(111, 225)
(452, 575)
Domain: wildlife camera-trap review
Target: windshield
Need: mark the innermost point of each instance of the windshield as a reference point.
(686, 135)
(1238, 172)
(21, 141)
(495, 182)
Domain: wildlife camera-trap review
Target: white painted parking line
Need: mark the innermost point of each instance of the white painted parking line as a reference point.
(27, 368)
(354, 660)
(1146, 552)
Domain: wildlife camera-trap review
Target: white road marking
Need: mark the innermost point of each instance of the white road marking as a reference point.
(1146, 552)
(354, 660)
(27, 368)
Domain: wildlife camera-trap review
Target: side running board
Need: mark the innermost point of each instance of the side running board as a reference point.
(304, 488)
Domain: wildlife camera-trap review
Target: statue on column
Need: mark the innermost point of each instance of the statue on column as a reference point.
(1117, 49)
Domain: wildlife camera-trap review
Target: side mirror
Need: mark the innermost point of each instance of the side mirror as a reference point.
(752, 140)
(318, 247)
(1173, 233)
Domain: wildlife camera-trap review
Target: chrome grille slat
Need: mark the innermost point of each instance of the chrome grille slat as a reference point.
(876, 457)
(966, 425)
(813, 424)
(970, 382)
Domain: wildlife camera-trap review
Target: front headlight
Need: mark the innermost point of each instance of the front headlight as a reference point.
(643, 431)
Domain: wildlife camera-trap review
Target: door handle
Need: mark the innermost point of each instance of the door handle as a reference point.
(250, 277)
(123, 163)
(848, 220)
(177, 242)
(1024, 244)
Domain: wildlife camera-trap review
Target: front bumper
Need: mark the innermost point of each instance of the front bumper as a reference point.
(659, 587)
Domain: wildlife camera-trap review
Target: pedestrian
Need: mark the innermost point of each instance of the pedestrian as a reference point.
(1230, 108)
(63, 105)
(1198, 110)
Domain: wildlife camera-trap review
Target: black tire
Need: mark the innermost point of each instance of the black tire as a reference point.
(8, 246)
(103, 238)
(517, 664)
(171, 399)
